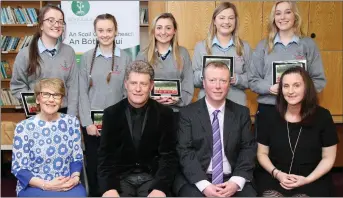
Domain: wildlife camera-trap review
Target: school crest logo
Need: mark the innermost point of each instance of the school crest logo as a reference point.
(116, 70)
(80, 8)
(64, 66)
(299, 55)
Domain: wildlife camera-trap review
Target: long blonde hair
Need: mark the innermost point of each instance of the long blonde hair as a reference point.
(273, 29)
(150, 50)
(213, 30)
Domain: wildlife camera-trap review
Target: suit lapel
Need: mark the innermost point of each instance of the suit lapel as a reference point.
(229, 123)
(205, 122)
(146, 114)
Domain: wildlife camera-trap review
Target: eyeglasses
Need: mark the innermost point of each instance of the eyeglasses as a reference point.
(47, 95)
(53, 21)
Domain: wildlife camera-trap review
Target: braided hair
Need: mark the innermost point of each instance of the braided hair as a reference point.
(103, 17)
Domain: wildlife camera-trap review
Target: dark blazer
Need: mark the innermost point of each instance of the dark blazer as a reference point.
(195, 142)
(117, 156)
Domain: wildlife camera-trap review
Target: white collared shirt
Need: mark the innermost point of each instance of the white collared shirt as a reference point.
(99, 53)
(42, 48)
(277, 39)
(240, 181)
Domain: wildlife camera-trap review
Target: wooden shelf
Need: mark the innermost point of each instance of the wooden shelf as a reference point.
(11, 107)
(6, 80)
(144, 25)
(18, 25)
(9, 52)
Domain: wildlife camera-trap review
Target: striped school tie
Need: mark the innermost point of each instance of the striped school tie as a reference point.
(52, 52)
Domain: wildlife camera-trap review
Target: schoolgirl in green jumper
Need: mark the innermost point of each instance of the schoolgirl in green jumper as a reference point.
(101, 85)
(47, 57)
(170, 61)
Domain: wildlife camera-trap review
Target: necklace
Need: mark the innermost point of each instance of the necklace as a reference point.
(295, 146)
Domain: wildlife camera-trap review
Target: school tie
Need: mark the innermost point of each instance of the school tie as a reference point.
(52, 52)
(217, 158)
(163, 57)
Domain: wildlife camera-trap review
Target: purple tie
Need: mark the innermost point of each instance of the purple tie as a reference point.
(217, 158)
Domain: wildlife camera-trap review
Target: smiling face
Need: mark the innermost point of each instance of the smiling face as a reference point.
(216, 84)
(284, 16)
(52, 26)
(164, 30)
(225, 22)
(138, 86)
(293, 88)
(105, 31)
(49, 100)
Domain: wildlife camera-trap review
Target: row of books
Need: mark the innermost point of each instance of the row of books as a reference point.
(8, 99)
(18, 15)
(6, 71)
(143, 16)
(11, 43)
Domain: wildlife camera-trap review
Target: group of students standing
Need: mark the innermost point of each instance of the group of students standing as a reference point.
(98, 82)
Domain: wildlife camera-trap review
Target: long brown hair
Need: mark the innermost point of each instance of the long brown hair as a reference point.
(273, 29)
(150, 50)
(34, 57)
(113, 19)
(213, 30)
(308, 103)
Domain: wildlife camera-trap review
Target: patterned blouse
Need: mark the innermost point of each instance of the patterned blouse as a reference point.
(46, 149)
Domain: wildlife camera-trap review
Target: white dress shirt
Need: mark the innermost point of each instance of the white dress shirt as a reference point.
(240, 181)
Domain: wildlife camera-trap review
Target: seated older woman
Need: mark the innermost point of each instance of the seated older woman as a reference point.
(297, 143)
(47, 155)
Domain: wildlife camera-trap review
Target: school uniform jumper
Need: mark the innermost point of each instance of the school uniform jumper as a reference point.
(241, 64)
(166, 68)
(61, 65)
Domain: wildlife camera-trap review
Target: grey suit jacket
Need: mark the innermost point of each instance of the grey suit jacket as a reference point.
(195, 142)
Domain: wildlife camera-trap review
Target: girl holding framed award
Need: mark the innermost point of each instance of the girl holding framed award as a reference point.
(223, 41)
(286, 44)
(101, 84)
(45, 57)
(297, 142)
(171, 62)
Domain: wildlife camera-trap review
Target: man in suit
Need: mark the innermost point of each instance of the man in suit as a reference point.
(215, 145)
(137, 155)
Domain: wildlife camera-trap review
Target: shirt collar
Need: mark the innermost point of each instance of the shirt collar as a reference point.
(140, 110)
(215, 41)
(211, 109)
(295, 39)
(42, 48)
(116, 53)
(169, 49)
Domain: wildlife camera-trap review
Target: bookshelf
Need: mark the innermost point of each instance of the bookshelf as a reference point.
(19, 20)
(144, 25)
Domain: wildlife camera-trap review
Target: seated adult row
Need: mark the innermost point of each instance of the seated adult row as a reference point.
(210, 152)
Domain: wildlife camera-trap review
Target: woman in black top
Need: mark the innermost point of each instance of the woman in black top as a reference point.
(297, 146)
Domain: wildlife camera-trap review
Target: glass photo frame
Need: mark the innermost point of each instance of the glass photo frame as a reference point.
(96, 116)
(227, 60)
(281, 66)
(29, 103)
(166, 87)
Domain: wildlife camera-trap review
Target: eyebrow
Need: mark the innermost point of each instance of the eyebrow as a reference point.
(288, 9)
